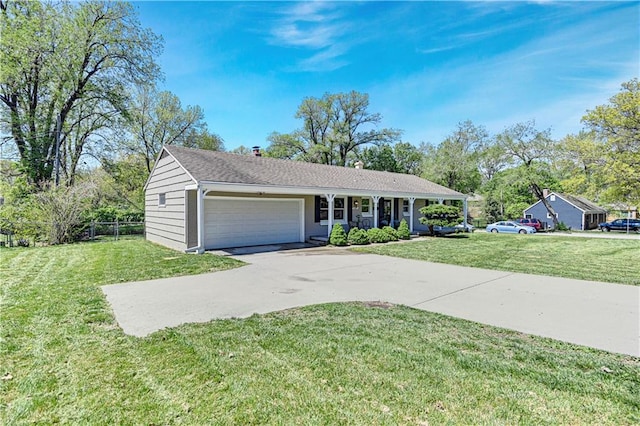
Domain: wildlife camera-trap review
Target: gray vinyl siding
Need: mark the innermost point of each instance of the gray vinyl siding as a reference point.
(569, 214)
(166, 224)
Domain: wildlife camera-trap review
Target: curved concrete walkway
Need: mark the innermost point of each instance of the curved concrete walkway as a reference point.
(600, 315)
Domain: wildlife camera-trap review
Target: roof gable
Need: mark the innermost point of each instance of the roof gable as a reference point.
(580, 203)
(223, 167)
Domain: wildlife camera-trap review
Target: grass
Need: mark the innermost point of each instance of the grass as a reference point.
(595, 259)
(64, 360)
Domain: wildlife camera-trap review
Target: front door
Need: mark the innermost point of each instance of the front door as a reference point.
(384, 212)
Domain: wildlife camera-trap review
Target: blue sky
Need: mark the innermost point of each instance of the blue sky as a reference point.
(425, 65)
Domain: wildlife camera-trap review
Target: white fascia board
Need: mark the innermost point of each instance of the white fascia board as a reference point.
(296, 190)
(155, 164)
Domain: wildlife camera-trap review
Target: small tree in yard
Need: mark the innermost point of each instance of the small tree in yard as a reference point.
(403, 230)
(338, 237)
(440, 215)
(59, 211)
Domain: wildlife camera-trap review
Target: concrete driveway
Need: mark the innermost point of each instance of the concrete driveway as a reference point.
(600, 315)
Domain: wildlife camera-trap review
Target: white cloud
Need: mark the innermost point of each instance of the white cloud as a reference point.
(317, 27)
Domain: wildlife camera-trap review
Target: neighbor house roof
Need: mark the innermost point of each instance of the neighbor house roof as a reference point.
(582, 203)
(222, 167)
(579, 202)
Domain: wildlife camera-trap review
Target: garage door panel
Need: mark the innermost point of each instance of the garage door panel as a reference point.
(237, 222)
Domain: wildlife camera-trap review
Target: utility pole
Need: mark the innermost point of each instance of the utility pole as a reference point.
(57, 162)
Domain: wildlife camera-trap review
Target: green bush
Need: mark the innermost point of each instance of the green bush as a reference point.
(113, 213)
(392, 233)
(338, 237)
(377, 235)
(403, 230)
(358, 237)
(563, 227)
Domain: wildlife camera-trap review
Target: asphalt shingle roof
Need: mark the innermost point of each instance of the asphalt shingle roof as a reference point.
(224, 167)
(583, 203)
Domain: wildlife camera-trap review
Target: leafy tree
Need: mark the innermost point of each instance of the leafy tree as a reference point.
(408, 158)
(242, 150)
(121, 182)
(491, 159)
(440, 215)
(288, 146)
(75, 61)
(453, 163)
(334, 128)
(350, 118)
(531, 149)
(617, 124)
(508, 193)
(379, 158)
(581, 160)
(158, 119)
(203, 139)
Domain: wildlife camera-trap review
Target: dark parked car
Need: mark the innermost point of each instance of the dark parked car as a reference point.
(632, 225)
(534, 223)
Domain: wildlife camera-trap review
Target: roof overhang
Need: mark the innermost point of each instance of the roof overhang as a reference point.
(297, 190)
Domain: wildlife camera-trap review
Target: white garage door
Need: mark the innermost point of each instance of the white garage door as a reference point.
(239, 222)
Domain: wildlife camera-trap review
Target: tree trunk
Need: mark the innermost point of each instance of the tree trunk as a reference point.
(539, 193)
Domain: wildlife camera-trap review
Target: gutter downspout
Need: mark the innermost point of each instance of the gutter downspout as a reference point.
(464, 213)
(199, 249)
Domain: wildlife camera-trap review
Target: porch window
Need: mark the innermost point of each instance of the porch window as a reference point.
(366, 207)
(338, 209)
(405, 207)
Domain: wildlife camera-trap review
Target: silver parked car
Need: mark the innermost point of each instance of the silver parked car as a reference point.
(510, 227)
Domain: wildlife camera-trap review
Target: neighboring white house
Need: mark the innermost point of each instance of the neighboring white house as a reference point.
(197, 200)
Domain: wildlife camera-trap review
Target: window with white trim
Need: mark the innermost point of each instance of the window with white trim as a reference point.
(338, 209)
(366, 207)
(549, 215)
(162, 199)
(405, 207)
(552, 197)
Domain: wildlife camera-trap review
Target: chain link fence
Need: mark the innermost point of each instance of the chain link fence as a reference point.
(26, 234)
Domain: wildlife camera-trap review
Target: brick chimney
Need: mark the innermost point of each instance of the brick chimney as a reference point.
(256, 151)
(545, 192)
(359, 165)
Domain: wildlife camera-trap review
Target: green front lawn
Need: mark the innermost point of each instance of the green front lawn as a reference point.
(64, 360)
(595, 259)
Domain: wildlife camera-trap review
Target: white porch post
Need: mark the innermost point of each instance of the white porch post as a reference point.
(330, 198)
(393, 212)
(375, 198)
(464, 213)
(411, 201)
(440, 200)
(200, 210)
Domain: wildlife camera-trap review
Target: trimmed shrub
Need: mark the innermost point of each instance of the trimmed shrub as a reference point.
(377, 235)
(358, 237)
(338, 237)
(392, 233)
(403, 230)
